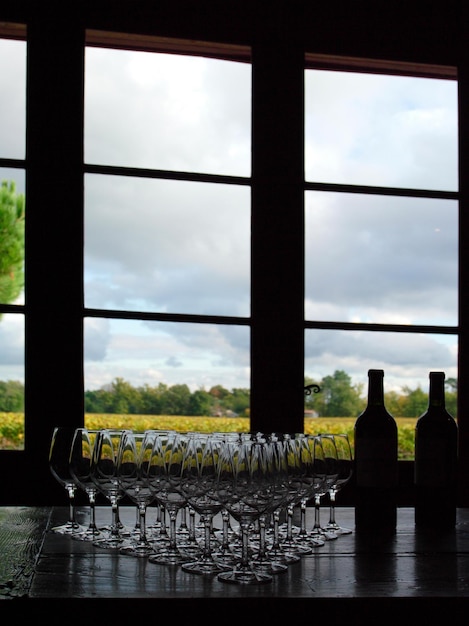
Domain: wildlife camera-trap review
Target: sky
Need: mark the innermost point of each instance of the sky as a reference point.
(183, 247)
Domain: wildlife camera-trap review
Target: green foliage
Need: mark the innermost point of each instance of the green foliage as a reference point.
(11, 396)
(11, 431)
(11, 242)
(121, 397)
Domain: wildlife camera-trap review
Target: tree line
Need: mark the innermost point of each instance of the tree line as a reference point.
(337, 397)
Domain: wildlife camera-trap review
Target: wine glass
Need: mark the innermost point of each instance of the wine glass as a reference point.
(132, 460)
(164, 478)
(311, 455)
(245, 487)
(105, 475)
(199, 476)
(276, 558)
(81, 455)
(345, 466)
(326, 470)
(297, 489)
(59, 464)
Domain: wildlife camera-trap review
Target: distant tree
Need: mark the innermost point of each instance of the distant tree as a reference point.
(338, 397)
(125, 398)
(11, 242)
(11, 396)
(415, 402)
(176, 400)
(238, 401)
(200, 403)
(150, 399)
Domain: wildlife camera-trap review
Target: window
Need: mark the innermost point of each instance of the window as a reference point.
(167, 220)
(12, 219)
(90, 168)
(381, 227)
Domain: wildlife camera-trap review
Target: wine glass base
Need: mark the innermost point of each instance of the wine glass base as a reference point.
(70, 528)
(169, 558)
(338, 530)
(205, 568)
(137, 550)
(112, 543)
(245, 577)
(271, 568)
(90, 534)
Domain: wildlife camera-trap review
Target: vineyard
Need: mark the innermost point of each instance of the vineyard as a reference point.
(12, 427)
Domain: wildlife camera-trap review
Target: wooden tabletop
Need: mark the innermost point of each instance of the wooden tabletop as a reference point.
(427, 568)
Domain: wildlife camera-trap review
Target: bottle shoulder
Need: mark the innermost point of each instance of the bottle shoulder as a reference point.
(436, 424)
(375, 419)
(436, 416)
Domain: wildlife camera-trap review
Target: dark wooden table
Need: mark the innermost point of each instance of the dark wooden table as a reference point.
(349, 577)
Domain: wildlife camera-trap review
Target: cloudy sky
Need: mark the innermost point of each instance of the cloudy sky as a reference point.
(183, 247)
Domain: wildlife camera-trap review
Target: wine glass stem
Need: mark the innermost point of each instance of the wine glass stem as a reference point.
(115, 517)
(207, 535)
(71, 505)
(290, 522)
(172, 529)
(92, 503)
(142, 511)
(303, 504)
(245, 544)
(262, 543)
(317, 509)
(332, 507)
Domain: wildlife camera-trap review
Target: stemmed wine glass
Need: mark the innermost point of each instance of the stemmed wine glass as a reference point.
(81, 455)
(59, 464)
(345, 469)
(245, 488)
(276, 558)
(105, 475)
(198, 484)
(132, 460)
(164, 478)
(326, 471)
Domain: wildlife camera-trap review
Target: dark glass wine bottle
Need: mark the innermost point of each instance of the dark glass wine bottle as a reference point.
(376, 468)
(435, 466)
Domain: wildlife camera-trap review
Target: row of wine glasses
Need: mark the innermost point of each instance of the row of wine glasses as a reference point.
(248, 478)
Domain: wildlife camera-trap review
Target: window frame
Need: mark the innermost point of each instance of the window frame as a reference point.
(54, 161)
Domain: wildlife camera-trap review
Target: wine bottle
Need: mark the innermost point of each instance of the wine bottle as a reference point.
(435, 465)
(376, 468)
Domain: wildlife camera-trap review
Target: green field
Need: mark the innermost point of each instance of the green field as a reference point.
(12, 427)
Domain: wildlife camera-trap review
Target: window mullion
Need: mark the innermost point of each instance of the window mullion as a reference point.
(277, 342)
(54, 229)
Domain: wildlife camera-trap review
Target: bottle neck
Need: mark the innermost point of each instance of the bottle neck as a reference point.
(375, 388)
(436, 397)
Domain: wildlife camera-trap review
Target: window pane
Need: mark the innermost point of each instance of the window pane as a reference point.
(381, 130)
(200, 356)
(381, 259)
(12, 223)
(167, 111)
(168, 246)
(406, 358)
(12, 99)
(11, 381)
